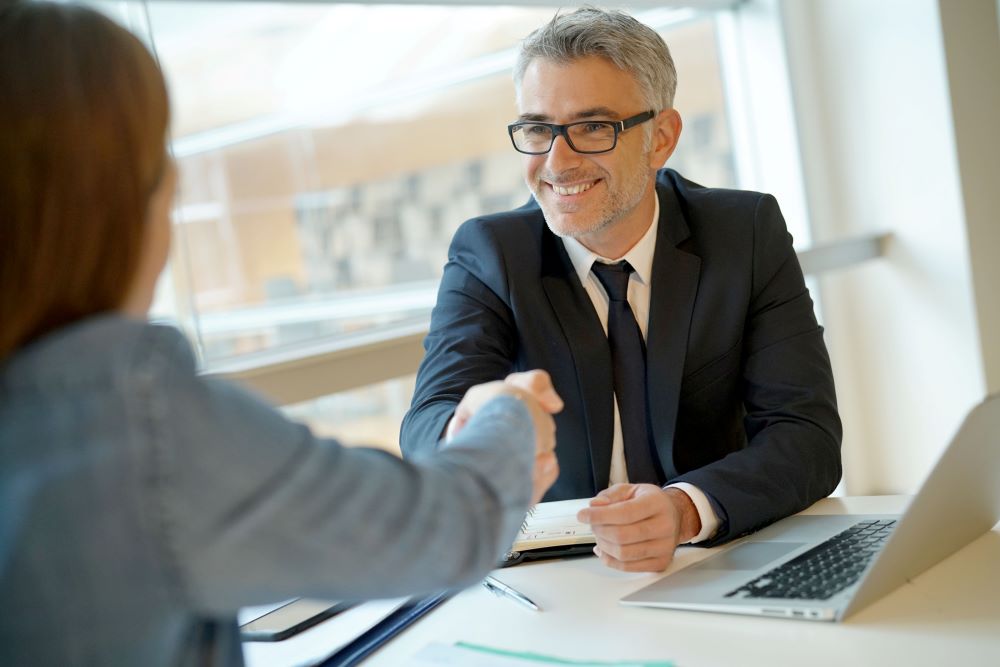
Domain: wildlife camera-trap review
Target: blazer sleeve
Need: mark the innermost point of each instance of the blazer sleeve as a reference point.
(472, 337)
(793, 430)
(251, 507)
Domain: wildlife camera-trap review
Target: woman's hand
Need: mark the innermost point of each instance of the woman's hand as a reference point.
(535, 390)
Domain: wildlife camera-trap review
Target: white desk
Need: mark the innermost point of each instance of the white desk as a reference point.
(949, 615)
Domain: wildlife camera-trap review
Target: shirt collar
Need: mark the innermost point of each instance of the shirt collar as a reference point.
(640, 256)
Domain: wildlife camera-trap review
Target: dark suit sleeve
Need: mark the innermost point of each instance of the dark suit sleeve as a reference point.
(793, 429)
(472, 337)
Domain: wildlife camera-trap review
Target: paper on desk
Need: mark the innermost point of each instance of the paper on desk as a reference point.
(463, 654)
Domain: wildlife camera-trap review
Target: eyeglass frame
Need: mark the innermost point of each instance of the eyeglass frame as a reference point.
(557, 130)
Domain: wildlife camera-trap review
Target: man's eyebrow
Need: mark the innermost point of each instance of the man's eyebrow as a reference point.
(533, 118)
(598, 112)
(593, 112)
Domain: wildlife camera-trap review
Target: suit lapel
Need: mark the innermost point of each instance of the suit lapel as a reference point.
(589, 347)
(674, 284)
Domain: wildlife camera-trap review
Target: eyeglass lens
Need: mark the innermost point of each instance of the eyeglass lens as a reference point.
(591, 137)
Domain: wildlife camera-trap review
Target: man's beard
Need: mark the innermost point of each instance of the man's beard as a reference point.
(615, 207)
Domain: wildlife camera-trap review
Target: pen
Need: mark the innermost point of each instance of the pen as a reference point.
(496, 586)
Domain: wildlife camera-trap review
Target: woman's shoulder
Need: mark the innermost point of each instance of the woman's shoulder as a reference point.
(98, 350)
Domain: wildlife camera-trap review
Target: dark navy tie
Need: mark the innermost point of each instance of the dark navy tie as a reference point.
(628, 356)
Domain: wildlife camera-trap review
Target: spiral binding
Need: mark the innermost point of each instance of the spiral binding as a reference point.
(527, 516)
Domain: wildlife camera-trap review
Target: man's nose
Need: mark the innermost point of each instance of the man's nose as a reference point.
(561, 157)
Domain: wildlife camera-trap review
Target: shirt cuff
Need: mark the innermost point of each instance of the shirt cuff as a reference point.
(709, 520)
(449, 431)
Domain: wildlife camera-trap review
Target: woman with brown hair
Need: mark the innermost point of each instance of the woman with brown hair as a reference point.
(140, 504)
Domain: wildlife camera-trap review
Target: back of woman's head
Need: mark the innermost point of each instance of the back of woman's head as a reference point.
(83, 119)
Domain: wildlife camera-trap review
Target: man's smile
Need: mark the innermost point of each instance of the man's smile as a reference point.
(572, 188)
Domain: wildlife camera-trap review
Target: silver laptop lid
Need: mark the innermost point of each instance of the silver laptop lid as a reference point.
(958, 502)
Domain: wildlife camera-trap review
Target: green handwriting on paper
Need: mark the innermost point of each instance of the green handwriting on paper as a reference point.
(540, 659)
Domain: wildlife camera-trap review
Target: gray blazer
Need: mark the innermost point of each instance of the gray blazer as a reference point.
(141, 504)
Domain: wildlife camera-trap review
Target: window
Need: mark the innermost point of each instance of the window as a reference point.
(328, 152)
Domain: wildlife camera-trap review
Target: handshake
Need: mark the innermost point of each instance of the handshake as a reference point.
(637, 527)
(535, 389)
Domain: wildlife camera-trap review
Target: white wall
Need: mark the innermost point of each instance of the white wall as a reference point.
(874, 115)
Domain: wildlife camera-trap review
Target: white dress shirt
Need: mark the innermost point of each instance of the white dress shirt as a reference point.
(640, 257)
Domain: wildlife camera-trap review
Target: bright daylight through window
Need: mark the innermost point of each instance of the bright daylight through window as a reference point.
(328, 152)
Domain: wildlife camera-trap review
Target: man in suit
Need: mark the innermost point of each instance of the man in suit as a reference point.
(673, 318)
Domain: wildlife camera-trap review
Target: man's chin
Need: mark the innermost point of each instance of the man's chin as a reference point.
(569, 226)
(563, 229)
(563, 224)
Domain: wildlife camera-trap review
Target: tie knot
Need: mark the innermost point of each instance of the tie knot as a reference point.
(614, 277)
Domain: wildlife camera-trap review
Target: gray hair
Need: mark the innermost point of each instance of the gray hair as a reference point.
(611, 34)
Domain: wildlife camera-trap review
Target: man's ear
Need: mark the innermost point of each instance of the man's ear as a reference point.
(667, 128)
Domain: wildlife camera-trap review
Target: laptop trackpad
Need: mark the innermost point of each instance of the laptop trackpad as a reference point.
(750, 556)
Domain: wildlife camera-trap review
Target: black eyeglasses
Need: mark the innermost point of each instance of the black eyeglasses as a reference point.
(585, 136)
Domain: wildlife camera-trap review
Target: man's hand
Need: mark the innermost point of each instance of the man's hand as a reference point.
(534, 388)
(638, 526)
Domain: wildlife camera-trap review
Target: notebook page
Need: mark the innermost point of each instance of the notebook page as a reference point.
(554, 524)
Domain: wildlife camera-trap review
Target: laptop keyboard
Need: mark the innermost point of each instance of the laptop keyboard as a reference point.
(824, 570)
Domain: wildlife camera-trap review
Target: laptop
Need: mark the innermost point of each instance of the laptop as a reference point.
(824, 568)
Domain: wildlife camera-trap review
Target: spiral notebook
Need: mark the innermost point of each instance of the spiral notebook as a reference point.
(550, 530)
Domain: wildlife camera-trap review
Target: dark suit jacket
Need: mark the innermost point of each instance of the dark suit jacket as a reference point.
(741, 392)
